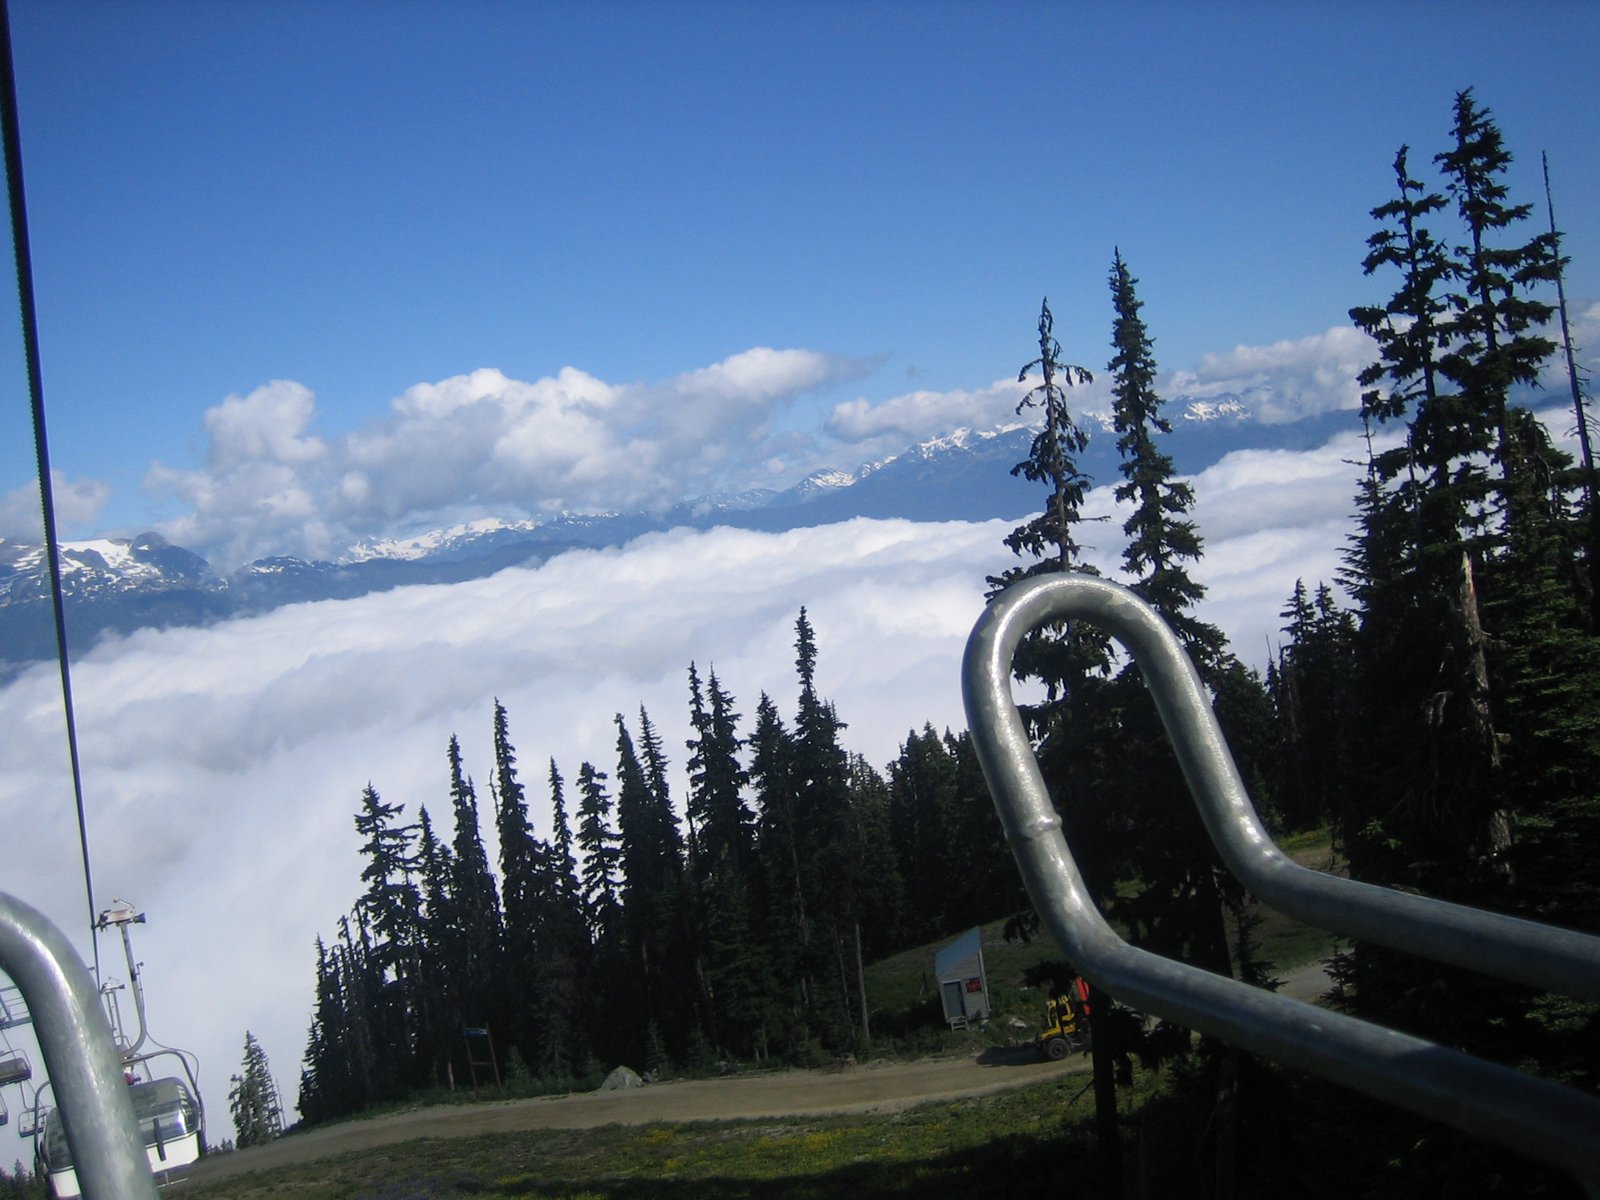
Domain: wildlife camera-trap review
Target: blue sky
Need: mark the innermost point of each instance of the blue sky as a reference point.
(362, 198)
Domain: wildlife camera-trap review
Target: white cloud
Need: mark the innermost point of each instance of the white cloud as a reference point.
(222, 765)
(77, 502)
(483, 443)
(1282, 382)
(921, 414)
(1287, 380)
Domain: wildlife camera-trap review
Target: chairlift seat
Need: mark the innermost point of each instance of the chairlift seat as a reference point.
(14, 1069)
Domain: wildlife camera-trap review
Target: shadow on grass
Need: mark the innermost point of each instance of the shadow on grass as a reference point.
(1017, 1167)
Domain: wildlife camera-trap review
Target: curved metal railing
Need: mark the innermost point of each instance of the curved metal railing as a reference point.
(75, 1042)
(1533, 1116)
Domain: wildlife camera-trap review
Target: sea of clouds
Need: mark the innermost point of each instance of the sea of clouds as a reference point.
(222, 766)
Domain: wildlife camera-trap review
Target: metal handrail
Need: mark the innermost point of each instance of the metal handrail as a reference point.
(1533, 1116)
(75, 1042)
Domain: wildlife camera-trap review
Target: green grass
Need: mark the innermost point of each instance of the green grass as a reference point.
(1031, 1142)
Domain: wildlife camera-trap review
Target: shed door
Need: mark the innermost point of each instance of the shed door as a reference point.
(955, 1007)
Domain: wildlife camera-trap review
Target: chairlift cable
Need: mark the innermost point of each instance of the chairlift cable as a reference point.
(11, 130)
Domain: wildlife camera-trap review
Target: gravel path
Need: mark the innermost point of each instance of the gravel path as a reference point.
(889, 1087)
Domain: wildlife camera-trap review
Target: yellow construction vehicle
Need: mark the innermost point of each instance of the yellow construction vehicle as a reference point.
(1066, 1022)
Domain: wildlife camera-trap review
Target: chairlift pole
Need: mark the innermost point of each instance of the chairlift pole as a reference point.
(123, 916)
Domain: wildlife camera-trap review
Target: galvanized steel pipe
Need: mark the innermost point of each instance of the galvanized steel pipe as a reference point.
(1531, 1115)
(74, 1037)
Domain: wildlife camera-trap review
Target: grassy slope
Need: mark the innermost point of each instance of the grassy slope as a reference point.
(1006, 1145)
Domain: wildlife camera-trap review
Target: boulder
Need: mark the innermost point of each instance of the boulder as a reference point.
(621, 1077)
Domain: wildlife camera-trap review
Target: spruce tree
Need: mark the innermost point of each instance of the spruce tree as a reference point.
(431, 1007)
(473, 955)
(597, 842)
(325, 1086)
(722, 822)
(1494, 345)
(1179, 910)
(614, 1025)
(390, 911)
(733, 963)
(528, 895)
(655, 916)
(827, 854)
(253, 1098)
(788, 929)
(568, 952)
(1162, 537)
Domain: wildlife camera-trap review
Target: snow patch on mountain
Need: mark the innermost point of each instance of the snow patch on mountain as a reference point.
(424, 545)
(1220, 408)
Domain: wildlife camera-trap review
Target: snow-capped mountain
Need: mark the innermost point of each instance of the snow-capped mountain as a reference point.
(123, 584)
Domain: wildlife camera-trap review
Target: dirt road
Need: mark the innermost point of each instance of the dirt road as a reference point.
(890, 1087)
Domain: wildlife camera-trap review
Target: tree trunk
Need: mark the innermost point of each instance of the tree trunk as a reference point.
(1498, 829)
(861, 988)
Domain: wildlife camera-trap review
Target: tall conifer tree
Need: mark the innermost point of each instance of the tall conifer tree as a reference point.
(474, 956)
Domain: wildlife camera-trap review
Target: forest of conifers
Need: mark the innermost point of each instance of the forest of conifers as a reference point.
(1439, 712)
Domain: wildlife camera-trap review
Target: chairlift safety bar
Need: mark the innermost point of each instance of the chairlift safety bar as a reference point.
(1533, 1116)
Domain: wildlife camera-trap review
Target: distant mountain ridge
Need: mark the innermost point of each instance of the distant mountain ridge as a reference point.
(119, 585)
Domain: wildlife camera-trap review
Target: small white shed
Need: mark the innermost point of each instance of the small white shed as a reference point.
(963, 985)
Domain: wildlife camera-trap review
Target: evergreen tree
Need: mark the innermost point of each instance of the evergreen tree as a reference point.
(722, 823)
(1312, 697)
(363, 1068)
(827, 854)
(1494, 348)
(923, 804)
(650, 842)
(1161, 536)
(390, 911)
(528, 893)
(568, 951)
(253, 1098)
(1148, 825)
(434, 1040)
(650, 909)
(597, 842)
(391, 904)
(613, 982)
(786, 929)
(472, 958)
(325, 1085)
(1052, 459)
(734, 969)
(1411, 330)
(565, 864)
